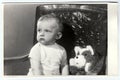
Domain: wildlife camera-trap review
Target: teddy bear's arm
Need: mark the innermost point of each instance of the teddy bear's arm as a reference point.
(87, 67)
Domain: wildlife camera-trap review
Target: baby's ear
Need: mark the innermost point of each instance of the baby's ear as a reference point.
(59, 35)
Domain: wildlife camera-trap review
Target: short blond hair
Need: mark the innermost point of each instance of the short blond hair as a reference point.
(51, 16)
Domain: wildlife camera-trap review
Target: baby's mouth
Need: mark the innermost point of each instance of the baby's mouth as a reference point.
(41, 39)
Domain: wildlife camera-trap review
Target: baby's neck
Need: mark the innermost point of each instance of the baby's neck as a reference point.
(48, 44)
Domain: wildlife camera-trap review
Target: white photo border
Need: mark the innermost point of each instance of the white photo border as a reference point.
(112, 54)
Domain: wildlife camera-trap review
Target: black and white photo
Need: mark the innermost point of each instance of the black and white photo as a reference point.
(55, 39)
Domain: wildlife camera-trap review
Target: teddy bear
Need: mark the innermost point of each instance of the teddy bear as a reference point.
(85, 62)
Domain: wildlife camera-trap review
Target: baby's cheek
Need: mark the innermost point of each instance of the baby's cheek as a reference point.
(38, 38)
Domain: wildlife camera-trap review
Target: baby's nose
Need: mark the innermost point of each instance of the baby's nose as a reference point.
(41, 33)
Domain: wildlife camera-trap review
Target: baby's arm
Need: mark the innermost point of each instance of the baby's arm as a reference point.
(65, 70)
(64, 65)
(35, 61)
(36, 67)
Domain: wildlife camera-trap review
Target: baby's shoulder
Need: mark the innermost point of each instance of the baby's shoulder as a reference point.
(35, 47)
(34, 52)
(61, 47)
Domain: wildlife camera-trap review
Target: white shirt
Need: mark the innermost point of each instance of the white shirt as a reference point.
(51, 57)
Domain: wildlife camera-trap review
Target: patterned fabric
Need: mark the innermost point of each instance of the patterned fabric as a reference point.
(88, 23)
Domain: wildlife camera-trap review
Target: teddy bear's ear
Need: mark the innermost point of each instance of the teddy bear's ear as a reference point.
(91, 49)
(77, 50)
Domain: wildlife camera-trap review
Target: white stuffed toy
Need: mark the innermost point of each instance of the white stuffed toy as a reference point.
(84, 62)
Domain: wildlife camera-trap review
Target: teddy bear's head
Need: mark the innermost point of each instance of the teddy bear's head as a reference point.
(83, 58)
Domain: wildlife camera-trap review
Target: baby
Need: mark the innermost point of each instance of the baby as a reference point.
(47, 57)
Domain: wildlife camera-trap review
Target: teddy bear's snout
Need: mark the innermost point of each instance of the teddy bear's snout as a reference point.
(80, 61)
(76, 57)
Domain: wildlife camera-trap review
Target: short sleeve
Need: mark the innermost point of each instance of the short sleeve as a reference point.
(35, 53)
(64, 58)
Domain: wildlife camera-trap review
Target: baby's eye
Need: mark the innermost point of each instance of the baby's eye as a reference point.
(48, 31)
(39, 30)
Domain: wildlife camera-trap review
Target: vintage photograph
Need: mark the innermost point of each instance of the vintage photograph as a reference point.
(55, 39)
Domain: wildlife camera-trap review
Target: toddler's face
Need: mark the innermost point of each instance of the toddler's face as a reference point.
(47, 31)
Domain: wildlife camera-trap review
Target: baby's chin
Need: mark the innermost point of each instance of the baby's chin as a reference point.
(44, 43)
